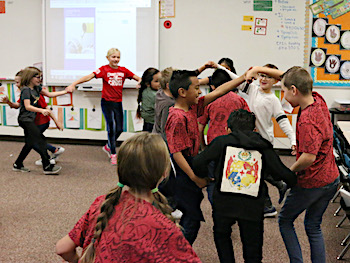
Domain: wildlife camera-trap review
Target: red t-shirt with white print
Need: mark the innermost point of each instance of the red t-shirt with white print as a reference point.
(314, 133)
(218, 112)
(181, 129)
(113, 81)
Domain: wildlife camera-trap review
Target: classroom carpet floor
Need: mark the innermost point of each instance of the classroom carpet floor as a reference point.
(36, 210)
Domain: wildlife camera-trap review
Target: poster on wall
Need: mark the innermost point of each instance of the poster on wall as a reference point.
(3, 91)
(72, 118)
(94, 118)
(330, 46)
(10, 116)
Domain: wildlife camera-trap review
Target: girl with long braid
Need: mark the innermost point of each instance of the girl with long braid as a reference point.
(132, 222)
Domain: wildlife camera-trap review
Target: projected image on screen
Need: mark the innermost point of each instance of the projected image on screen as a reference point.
(79, 38)
(78, 35)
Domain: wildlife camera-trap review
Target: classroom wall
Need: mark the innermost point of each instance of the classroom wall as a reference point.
(199, 31)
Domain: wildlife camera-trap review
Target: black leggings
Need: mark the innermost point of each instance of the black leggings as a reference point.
(33, 136)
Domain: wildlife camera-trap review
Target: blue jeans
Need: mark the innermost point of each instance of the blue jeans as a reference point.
(113, 112)
(315, 202)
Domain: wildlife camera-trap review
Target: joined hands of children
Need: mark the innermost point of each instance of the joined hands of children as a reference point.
(294, 150)
(70, 88)
(251, 74)
(210, 64)
(202, 182)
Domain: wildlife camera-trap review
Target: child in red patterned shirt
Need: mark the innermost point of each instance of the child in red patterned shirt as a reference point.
(131, 223)
(183, 139)
(317, 173)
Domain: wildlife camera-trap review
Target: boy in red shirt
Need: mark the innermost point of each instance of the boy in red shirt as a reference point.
(183, 139)
(317, 173)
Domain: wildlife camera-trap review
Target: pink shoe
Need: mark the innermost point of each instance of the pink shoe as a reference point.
(113, 159)
(107, 150)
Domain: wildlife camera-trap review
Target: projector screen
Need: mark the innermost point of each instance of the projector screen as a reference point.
(78, 34)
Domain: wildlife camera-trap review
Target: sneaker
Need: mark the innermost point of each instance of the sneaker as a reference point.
(57, 153)
(177, 214)
(113, 159)
(282, 191)
(52, 169)
(270, 211)
(20, 168)
(107, 150)
(39, 162)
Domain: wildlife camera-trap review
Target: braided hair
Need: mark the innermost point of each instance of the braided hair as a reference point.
(141, 172)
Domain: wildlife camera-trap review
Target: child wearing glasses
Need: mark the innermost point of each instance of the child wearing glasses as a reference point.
(265, 105)
(29, 107)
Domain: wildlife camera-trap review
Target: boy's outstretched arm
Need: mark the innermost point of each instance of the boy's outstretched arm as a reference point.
(253, 73)
(183, 164)
(223, 89)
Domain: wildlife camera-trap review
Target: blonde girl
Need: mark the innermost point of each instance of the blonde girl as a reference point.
(113, 77)
(131, 223)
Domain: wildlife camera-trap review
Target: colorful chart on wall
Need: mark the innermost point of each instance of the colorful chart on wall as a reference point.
(330, 46)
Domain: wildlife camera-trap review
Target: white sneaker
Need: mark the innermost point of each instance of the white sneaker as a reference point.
(39, 162)
(177, 214)
(57, 153)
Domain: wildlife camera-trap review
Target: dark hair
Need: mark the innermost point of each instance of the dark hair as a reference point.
(19, 73)
(270, 66)
(298, 77)
(147, 78)
(229, 63)
(180, 79)
(241, 120)
(220, 77)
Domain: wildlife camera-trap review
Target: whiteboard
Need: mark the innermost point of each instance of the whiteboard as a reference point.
(209, 30)
(78, 34)
(21, 36)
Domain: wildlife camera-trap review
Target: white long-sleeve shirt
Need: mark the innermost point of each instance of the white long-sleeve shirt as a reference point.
(265, 106)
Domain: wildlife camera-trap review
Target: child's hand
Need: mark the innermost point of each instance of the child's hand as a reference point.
(45, 112)
(138, 85)
(210, 64)
(59, 126)
(200, 182)
(70, 88)
(251, 74)
(5, 100)
(294, 150)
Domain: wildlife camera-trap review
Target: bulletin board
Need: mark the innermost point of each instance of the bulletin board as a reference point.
(330, 50)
